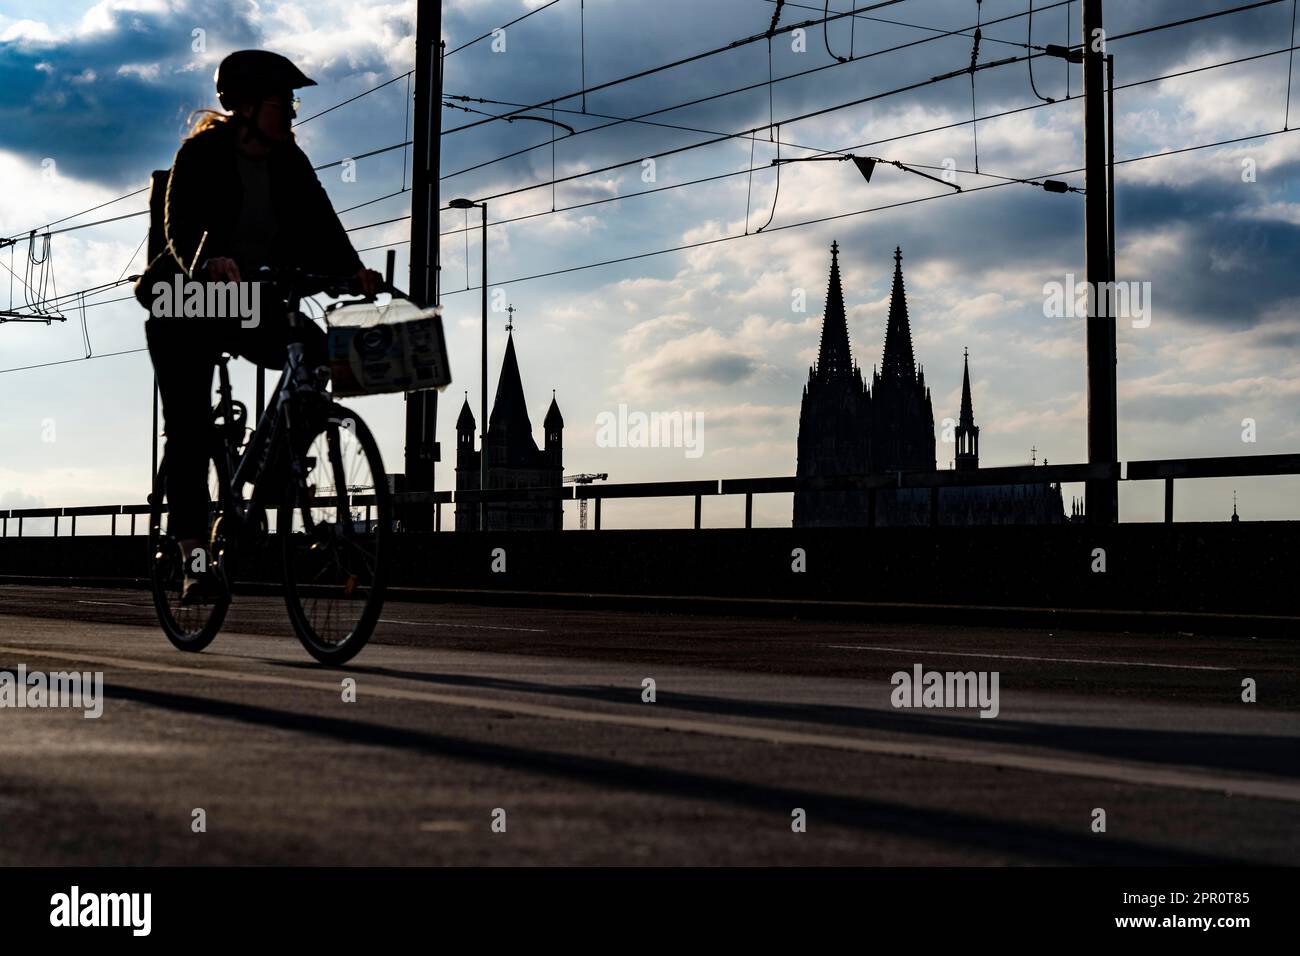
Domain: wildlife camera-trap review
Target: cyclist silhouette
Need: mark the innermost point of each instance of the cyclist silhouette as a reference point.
(241, 195)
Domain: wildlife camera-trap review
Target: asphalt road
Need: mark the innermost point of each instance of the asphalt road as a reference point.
(462, 711)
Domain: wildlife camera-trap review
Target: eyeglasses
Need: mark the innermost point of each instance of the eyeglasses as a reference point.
(294, 103)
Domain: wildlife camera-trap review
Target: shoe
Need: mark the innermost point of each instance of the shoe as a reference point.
(200, 589)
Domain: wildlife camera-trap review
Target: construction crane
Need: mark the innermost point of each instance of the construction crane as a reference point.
(582, 502)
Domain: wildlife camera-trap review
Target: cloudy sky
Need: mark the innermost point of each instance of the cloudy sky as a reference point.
(94, 96)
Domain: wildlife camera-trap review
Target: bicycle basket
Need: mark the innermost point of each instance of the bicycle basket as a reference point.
(395, 347)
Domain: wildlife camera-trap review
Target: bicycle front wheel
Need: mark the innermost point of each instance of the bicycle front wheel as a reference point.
(334, 525)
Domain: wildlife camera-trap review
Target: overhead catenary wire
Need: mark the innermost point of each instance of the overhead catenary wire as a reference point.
(1119, 36)
(940, 30)
(877, 142)
(794, 225)
(776, 195)
(826, 34)
(894, 205)
(974, 56)
(737, 90)
(971, 69)
(997, 63)
(145, 212)
(776, 18)
(1030, 39)
(856, 13)
(144, 189)
(859, 146)
(143, 240)
(683, 61)
(742, 134)
(1286, 122)
(504, 26)
(353, 99)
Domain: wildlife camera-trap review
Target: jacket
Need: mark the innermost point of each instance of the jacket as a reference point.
(204, 194)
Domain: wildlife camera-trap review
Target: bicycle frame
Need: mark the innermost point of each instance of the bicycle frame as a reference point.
(272, 429)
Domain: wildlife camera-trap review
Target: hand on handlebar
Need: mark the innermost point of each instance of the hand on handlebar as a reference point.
(221, 270)
(372, 283)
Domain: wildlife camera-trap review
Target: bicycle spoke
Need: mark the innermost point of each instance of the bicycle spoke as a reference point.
(334, 566)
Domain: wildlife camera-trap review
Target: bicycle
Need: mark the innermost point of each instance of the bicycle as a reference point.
(315, 453)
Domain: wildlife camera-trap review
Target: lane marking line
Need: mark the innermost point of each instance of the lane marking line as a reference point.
(1185, 778)
(481, 627)
(114, 603)
(1023, 657)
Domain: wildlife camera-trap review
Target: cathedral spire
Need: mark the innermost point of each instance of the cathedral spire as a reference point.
(967, 418)
(834, 359)
(898, 361)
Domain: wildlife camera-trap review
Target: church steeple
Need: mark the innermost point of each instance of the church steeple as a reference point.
(834, 359)
(898, 361)
(968, 433)
(967, 407)
(510, 431)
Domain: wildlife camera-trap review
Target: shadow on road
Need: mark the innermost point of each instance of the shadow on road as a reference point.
(1243, 753)
(1001, 837)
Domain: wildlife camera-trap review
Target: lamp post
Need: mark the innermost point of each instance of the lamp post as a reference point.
(483, 422)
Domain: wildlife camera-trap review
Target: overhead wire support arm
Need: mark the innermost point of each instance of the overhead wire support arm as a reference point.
(866, 165)
(508, 117)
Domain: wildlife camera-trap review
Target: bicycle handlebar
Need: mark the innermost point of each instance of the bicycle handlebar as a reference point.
(297, 281)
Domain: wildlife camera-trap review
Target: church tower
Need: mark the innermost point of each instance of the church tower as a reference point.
(902, 418)
(553, 426)
(467, 470)
(833, 419)
(968, 433)
(514, 461)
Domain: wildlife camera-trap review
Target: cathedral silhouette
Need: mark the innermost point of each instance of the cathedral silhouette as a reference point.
(847, 428)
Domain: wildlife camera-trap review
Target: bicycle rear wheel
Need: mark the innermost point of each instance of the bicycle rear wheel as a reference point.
(192, 627)
(336, 549)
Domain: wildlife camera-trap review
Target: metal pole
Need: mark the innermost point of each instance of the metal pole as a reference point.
(1110, 159)
(483, 426)
(1103, 445)
(422, 407)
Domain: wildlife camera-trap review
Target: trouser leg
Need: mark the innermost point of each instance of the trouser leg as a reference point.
(184, 360)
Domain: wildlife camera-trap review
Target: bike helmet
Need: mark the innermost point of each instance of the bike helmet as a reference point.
(247, 75)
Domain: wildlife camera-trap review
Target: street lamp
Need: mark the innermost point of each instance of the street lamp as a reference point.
(483, 422)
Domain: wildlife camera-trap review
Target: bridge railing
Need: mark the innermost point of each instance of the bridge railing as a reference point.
(1234, 466)
(1168, 470)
